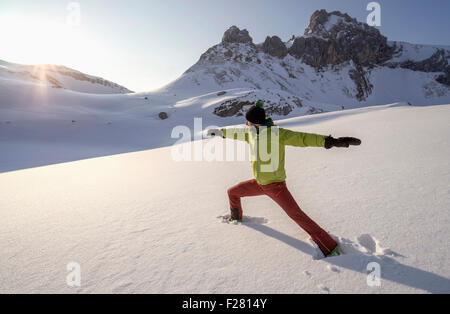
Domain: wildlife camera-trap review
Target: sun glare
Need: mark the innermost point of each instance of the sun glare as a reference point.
(42, 42)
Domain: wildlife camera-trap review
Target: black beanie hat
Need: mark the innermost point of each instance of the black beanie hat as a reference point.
(256, 114)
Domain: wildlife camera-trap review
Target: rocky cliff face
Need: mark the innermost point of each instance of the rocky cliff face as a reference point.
(239, 105)
(275, 47)
(334, 38)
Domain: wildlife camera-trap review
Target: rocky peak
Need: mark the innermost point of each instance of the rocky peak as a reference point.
(333, 38)
(341, 27)
(326, 24)
(235, 35)
(275, 47)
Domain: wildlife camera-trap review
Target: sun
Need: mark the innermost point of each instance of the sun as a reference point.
(32, 41)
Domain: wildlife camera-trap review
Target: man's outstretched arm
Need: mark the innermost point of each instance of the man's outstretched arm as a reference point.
(240, 134)
(301, 139)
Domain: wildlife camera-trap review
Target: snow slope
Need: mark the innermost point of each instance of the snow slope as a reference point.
(59, 77)
(414, 52)
(40, 125)
(140, 222)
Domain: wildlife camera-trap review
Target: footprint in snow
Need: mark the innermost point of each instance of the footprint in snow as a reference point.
(324, 288)
(333, 268)
(307, 274)
(365, 244)
(368, 243)
(247, 220)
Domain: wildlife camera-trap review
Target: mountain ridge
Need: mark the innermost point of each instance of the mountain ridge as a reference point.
(60, 76)
(306, 67)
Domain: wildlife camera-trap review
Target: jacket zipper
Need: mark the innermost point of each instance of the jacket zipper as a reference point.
(257, 159)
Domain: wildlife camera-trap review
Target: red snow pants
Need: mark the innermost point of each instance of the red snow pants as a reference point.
(281, 195)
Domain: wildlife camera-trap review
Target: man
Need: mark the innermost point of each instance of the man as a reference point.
(269, 172)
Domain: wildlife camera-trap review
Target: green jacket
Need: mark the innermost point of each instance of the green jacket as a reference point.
(268, 167)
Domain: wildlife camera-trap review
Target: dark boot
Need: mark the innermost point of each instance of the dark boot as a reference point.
(235, 215)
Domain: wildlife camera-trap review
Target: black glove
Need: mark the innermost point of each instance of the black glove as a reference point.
(341, 142)
(214, 132)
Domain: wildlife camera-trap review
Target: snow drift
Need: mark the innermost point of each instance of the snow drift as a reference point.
(140, 222)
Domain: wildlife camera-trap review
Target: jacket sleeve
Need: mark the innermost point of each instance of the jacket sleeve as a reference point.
(300, 139)
(240, 134)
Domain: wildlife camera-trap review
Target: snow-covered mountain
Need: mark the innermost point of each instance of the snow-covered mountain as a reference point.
(337, 61)
(57, 76)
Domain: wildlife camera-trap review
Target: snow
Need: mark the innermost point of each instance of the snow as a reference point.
(414, 52)
(141, 222)
(333, 20)
(89, 177)
(289, 43)
(65, 78)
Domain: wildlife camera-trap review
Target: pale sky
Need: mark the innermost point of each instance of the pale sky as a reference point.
(146, 44)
